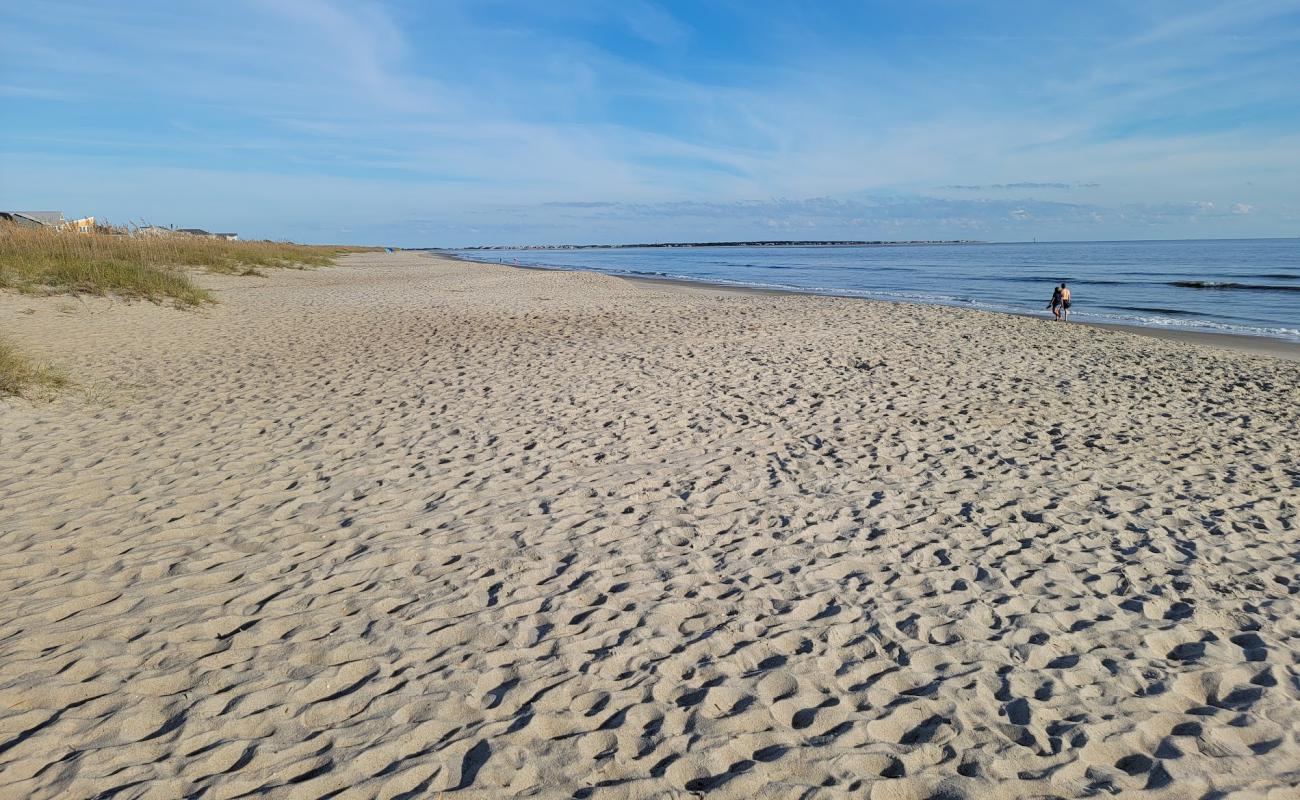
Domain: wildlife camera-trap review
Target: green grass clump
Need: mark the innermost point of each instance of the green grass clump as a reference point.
(108, 276)
(20, 376)
(152, 267)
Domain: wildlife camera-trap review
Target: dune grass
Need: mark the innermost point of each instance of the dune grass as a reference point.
(41, 260)
(19, 376)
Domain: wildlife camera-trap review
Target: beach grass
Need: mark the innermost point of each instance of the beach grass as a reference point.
(19, 375)
(151, 267)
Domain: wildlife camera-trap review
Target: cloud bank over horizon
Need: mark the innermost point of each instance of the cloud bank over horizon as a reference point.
(492, 122)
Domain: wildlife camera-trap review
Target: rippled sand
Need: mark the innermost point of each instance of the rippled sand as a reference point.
(410, 526)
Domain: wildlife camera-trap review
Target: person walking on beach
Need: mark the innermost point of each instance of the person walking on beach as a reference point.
(1055, 304)
(1065, 303)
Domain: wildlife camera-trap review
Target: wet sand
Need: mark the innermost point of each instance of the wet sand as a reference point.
(1257, 345)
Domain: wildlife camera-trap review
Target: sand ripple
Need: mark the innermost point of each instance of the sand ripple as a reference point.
(410, 526)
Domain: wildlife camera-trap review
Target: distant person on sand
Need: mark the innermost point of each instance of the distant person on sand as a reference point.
(1054, 305)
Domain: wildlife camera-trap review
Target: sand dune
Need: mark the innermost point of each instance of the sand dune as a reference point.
(411, 526)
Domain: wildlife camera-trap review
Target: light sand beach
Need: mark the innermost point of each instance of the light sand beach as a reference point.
(412, 527)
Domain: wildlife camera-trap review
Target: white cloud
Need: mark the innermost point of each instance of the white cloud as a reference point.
(484, 105)
(651, 22)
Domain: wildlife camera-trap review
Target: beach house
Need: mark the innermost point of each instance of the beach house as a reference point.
(34, 219)
(200, 232)
(153, 230)
(48, 219)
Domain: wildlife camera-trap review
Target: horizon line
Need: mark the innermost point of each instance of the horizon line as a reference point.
(846, 243)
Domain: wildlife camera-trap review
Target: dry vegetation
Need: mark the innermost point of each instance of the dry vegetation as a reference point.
(150, 267)
(110, 262)
(18, 375)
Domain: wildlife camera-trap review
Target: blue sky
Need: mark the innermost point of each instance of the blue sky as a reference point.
(473, 122)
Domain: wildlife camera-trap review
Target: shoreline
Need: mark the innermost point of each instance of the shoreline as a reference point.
(1244, 343)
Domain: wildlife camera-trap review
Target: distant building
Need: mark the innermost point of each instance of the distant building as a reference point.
(200, 232)
(21, 220)
(48, 219)
(83, 225)
(153, 230)
(34, 219)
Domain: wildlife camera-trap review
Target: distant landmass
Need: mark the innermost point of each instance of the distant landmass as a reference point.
(775, 243)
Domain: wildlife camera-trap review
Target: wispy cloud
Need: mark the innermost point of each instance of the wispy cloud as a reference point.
(627, 111)
(1020, 185)
(652, 22)
(32, 93)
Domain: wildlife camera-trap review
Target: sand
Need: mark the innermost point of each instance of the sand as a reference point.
(410, 527)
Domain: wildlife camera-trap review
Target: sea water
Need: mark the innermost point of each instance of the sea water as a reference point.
(1241, 286)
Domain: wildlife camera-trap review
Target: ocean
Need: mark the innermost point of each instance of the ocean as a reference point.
(1239, 286)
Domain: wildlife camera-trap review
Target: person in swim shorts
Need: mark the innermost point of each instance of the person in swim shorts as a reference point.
(1065, 303)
